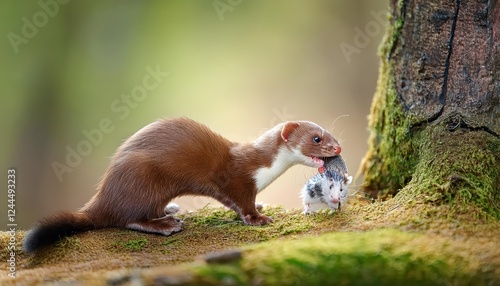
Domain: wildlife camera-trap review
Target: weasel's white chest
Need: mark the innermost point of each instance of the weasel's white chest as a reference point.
(264, 176)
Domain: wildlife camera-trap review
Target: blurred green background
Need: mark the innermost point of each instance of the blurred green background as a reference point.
(239, 67)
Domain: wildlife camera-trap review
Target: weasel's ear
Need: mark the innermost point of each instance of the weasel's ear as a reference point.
(288, 128)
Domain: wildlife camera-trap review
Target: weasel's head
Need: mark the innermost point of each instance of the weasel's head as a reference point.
(309, 142)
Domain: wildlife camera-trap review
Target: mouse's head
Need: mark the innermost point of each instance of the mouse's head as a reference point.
(334, 188)
(310, 142)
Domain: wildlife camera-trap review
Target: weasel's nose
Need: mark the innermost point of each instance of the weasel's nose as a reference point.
(335, 201)
(337, 150)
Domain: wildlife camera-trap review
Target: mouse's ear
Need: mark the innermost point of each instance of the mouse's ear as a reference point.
(348, 179)
(288, 128)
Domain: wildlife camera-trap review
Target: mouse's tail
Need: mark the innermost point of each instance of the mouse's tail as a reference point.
(52, 229)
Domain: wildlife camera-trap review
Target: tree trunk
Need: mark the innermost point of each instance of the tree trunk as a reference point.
(435, 117)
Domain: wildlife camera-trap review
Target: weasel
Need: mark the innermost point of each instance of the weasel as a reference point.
(173, 157)
(327, 189)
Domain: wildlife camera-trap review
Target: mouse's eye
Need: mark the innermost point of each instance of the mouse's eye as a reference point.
(317, 139)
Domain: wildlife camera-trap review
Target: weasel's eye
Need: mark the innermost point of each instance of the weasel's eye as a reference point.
(317, 139)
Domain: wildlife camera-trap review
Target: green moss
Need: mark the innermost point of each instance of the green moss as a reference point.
(390, 160)
(209, 216)
(70, 242)
(393, 31)
(172, 241)
(342, 247)
(382, 257)
(285, 223)
(468, 173)
(132, 245)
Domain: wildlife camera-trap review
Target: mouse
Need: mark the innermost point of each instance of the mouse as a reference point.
(174, 157)
(328, 189)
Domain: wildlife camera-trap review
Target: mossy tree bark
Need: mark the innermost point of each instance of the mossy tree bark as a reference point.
(435, 118)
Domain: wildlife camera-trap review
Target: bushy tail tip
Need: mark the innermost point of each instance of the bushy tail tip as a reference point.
(52, 229)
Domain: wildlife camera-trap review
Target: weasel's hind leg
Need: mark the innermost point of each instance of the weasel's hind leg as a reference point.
(166, 225)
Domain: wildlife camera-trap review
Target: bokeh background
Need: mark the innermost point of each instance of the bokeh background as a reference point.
(238, 66)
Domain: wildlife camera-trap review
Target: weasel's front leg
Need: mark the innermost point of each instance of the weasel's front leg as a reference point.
(242, 201)
(255, 218)
(251, 216)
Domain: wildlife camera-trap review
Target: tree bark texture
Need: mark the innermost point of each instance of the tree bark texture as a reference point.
(435, 118)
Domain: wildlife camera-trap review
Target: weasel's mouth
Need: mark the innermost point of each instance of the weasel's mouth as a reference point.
(316, 162)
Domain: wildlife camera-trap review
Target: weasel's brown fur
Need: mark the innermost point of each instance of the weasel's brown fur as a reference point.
(174, 157)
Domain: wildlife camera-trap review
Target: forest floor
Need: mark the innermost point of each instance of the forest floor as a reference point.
(399, 240)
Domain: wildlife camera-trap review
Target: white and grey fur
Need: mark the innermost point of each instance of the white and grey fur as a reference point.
(329, 189)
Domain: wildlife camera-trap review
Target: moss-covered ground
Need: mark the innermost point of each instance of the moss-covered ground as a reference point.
(407, 239)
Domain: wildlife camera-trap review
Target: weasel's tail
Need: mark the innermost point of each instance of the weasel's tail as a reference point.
(52, 229)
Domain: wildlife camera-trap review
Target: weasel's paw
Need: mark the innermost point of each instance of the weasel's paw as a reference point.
(166, 225)
(259, 219)
(171, 208)
(173, 227)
